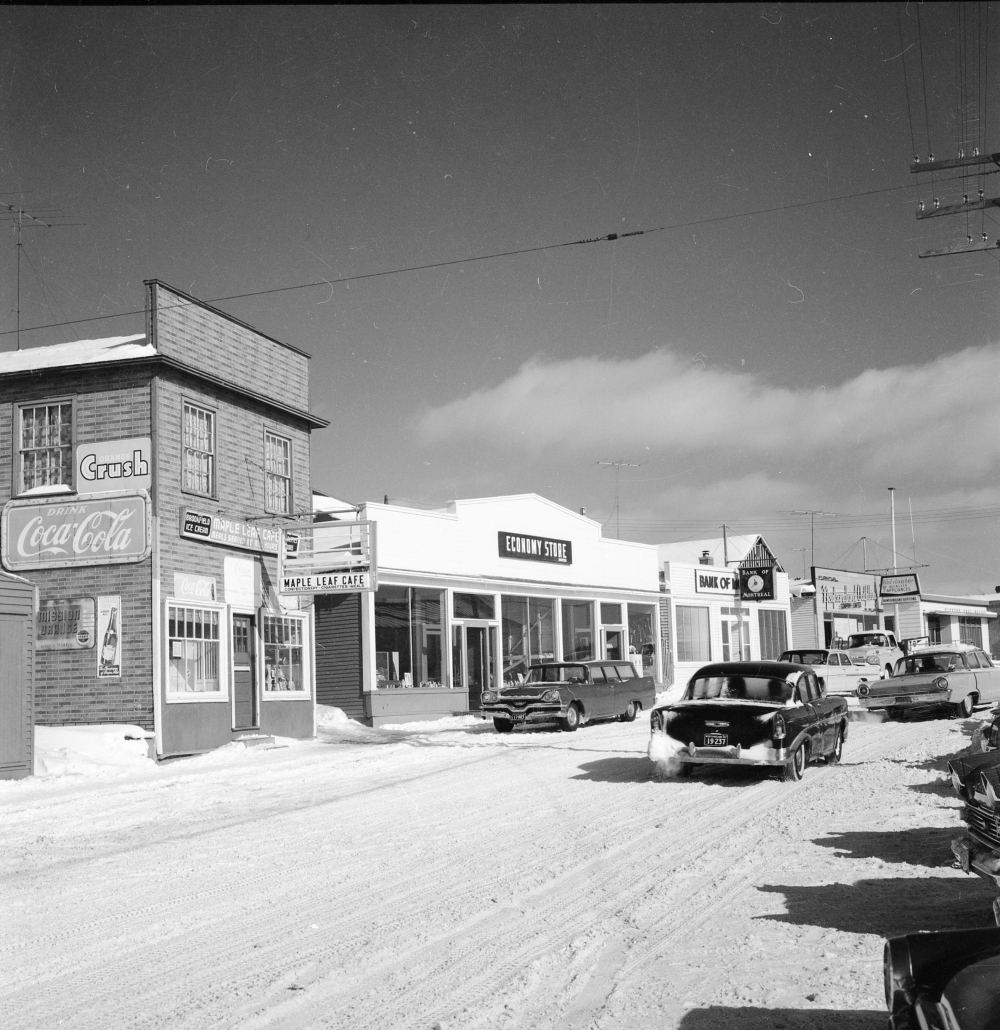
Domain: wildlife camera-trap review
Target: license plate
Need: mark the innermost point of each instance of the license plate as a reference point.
(715, 739)
(902, 700)
(517, 716)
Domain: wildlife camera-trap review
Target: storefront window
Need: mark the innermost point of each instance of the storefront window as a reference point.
(193, 643)
(693, 641)
(474, 606)
(577, 631)
(408, 627)
(641, 641)
(528, 635)
(970, 631)
(733, 632)
(611, 614)
(283, 653)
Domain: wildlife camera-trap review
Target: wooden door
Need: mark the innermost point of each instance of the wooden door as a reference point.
(244, 674)
(14, 698)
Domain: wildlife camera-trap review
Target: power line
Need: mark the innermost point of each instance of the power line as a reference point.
(610, 237)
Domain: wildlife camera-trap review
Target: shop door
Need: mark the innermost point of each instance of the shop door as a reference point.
(244, 674)
(480, 647)
(613, 644)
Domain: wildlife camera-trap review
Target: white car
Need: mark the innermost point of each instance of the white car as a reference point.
(834, 669)
(876, 648)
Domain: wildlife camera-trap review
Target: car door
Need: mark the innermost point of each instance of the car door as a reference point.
(987, 678)
(807, 692)
(602, 693)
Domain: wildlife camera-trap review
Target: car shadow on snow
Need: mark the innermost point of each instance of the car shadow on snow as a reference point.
(727, 1017)
(925, 845)
(622, 769)
(890, 907)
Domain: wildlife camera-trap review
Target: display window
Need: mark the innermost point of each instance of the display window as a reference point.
(641, 638)
(474, 606)
(284, 656)
(528, 625)
(193, 654)
(578, 631)
(693, 634)
(408, 638)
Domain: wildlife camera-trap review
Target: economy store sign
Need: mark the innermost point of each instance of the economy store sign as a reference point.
(51, 535)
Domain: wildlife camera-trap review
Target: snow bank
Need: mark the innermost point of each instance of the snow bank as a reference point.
(91, 750)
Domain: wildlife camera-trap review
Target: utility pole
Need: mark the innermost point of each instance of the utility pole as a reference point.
(969, 202)
(892, 516)
(618, 466)
(805, 551)
(812, 522)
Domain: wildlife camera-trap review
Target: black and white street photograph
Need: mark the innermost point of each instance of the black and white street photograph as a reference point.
(500, 517)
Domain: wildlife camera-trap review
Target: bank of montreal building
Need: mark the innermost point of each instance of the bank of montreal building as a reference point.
(470, 595)
(203, 424)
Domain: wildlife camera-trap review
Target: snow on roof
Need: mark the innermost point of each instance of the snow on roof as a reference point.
(734, 548)
(331, 505)
(80, 352)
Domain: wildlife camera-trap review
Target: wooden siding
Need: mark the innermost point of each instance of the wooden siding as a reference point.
(338, 653)
(804, 622)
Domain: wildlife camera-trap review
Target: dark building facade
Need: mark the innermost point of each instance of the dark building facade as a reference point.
(145, 480)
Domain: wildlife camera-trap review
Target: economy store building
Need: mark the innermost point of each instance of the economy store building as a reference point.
(833, 605)
(470, 596)
(704, 619)
(143, 480)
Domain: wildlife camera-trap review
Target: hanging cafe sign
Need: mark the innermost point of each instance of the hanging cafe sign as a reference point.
(229, 532)
(110, 530)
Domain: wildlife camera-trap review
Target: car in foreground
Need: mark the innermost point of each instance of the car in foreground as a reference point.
(948, 980)
(949, 676)
(834, 668)
(774, 714)
(570, 693)
(877, 648)
(976, 780)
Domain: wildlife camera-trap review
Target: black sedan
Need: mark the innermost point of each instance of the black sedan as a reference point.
(750, 713)
(948, 980)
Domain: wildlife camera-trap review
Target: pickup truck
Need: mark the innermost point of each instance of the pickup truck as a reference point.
(877, 648)
(570, 693)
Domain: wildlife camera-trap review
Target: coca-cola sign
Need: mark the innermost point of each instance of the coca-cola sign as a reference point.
(96, 531)
(188, 587)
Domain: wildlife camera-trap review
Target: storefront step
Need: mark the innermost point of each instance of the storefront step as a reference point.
(257, 741)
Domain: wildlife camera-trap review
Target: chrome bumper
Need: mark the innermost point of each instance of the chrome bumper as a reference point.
(927, 700)
(539, 712)
(733, 754)
(974, 857)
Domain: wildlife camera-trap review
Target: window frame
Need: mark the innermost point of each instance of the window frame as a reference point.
(17, 486)
(209, 409)
(291, 471)
(284, 695)
(225, 671)
(707, 611)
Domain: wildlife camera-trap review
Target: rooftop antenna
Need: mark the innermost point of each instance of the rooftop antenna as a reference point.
(17, 215)
(618, 466)
(812, 526)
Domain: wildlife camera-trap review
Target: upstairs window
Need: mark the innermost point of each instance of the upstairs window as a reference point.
(46, 445)
(277, 473)
(199, 450)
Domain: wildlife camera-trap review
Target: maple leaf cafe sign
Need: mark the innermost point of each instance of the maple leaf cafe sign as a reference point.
(52, 534)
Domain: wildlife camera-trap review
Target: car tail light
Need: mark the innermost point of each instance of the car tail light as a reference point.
(993, 736)
(779, 728)
(956, 782)
(655, 721)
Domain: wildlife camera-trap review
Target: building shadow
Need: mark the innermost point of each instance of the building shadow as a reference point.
(726, 1017)
(890, 907)
(925, 845)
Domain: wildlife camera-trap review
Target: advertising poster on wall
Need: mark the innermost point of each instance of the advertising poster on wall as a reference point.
(65, 624)
(109, 654)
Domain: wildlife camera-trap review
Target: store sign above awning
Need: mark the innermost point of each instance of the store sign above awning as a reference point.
(891, 588)
(114, 465)
(845, 591)
(229, 532)
(709, 580)
(534, 548)
(110, 530)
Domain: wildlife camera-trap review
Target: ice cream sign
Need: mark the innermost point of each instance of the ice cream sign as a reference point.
(114, 465)
(110, 530)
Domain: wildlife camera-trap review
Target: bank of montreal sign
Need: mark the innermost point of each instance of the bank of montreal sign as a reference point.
(110, 530)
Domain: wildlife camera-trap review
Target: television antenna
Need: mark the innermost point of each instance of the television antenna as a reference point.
(18, 215)
(618, 466)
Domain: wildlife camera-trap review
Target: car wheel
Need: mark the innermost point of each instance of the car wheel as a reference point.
(833, 758)
(571, 720)
(965, 706)
(502, 725)
(796, 766)
(630, 713)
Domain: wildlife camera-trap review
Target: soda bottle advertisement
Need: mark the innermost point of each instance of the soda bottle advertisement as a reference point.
(109, 640)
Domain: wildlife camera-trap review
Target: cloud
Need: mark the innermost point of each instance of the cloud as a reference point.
(940, 418)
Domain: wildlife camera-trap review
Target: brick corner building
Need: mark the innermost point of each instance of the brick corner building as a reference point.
(144, 480)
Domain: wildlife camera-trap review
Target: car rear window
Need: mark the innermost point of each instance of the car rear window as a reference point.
(627, 672)
(739, 688)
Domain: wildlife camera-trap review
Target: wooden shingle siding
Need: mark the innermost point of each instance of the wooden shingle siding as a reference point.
(338, 653)
(203, 339)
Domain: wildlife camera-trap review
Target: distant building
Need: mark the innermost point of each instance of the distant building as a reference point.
(144, 479)
(704, 617)
(831, 606)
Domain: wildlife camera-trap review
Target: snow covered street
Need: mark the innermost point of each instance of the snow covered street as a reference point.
(446, 876)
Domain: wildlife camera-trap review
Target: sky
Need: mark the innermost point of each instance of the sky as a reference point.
(762, 348)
